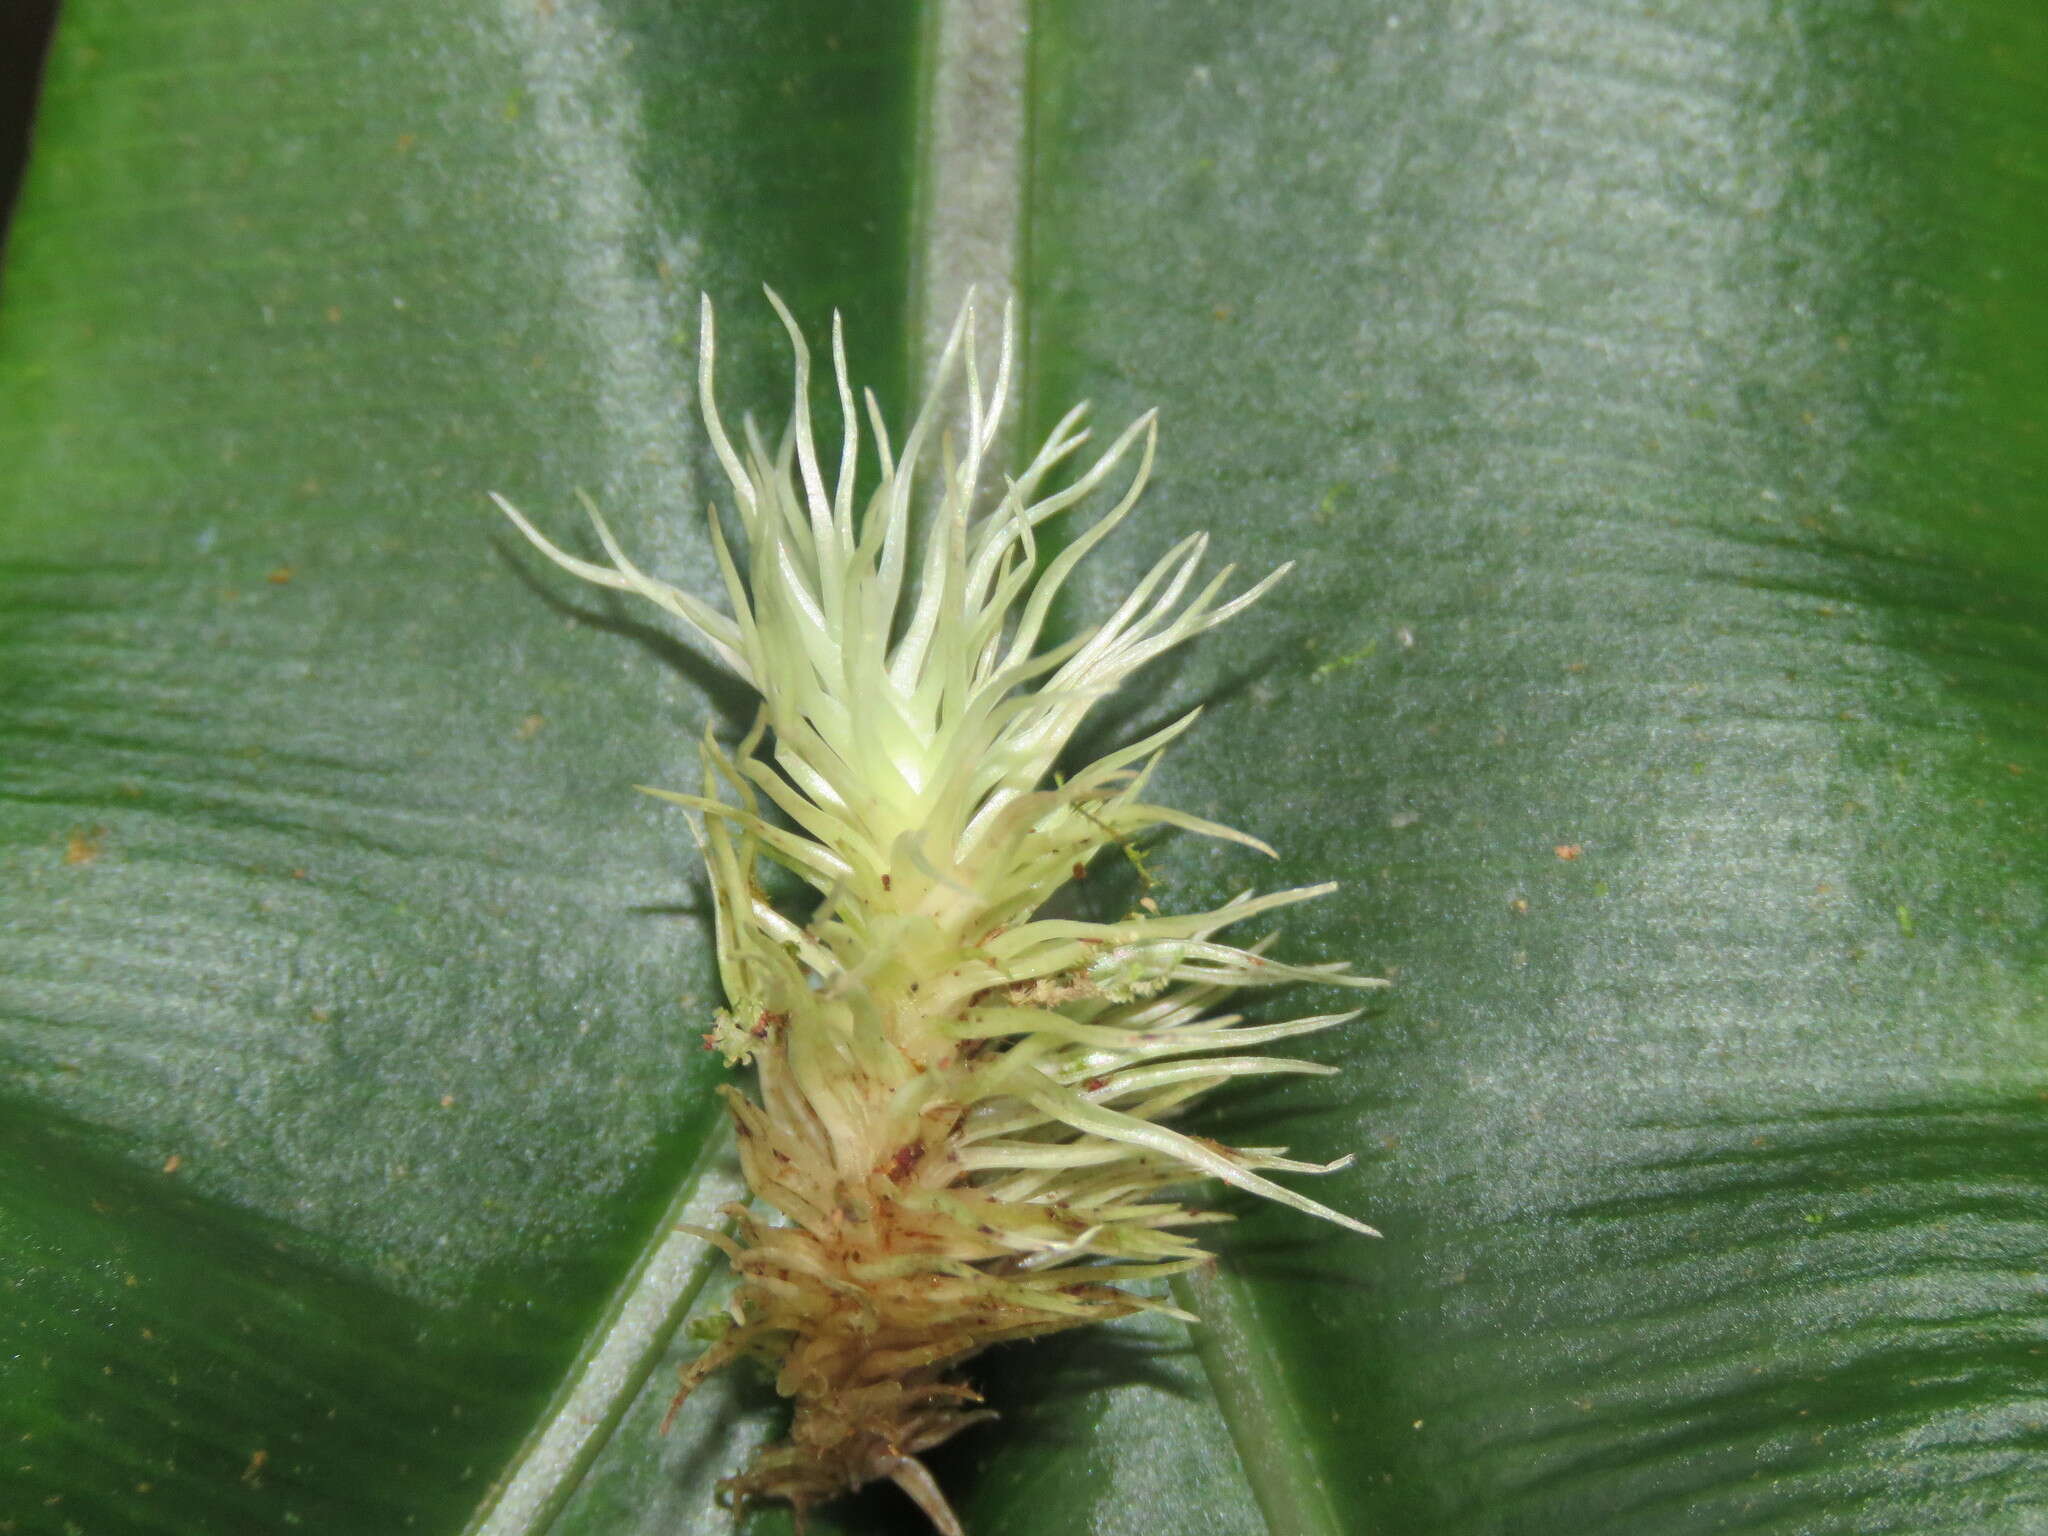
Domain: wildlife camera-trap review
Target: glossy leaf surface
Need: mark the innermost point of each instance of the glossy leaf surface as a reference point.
(1651, 396)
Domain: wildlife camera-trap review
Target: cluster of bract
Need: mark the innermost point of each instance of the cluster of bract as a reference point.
(960, 1102)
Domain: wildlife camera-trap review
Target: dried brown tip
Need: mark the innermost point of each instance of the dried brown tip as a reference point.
(915, 1479)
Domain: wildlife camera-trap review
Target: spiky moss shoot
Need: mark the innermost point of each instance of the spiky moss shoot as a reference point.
(961, 1103)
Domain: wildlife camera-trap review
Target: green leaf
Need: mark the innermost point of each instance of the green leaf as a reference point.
(1652, 398)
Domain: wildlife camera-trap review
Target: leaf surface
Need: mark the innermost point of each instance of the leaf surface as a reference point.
(1651, 399)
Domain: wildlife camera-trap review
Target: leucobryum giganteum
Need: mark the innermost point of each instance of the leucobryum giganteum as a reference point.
(960, 1106)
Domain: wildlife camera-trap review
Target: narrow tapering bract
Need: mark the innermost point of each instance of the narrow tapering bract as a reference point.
(961, 1103)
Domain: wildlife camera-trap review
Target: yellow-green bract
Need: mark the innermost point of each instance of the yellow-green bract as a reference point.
(961, 1102)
